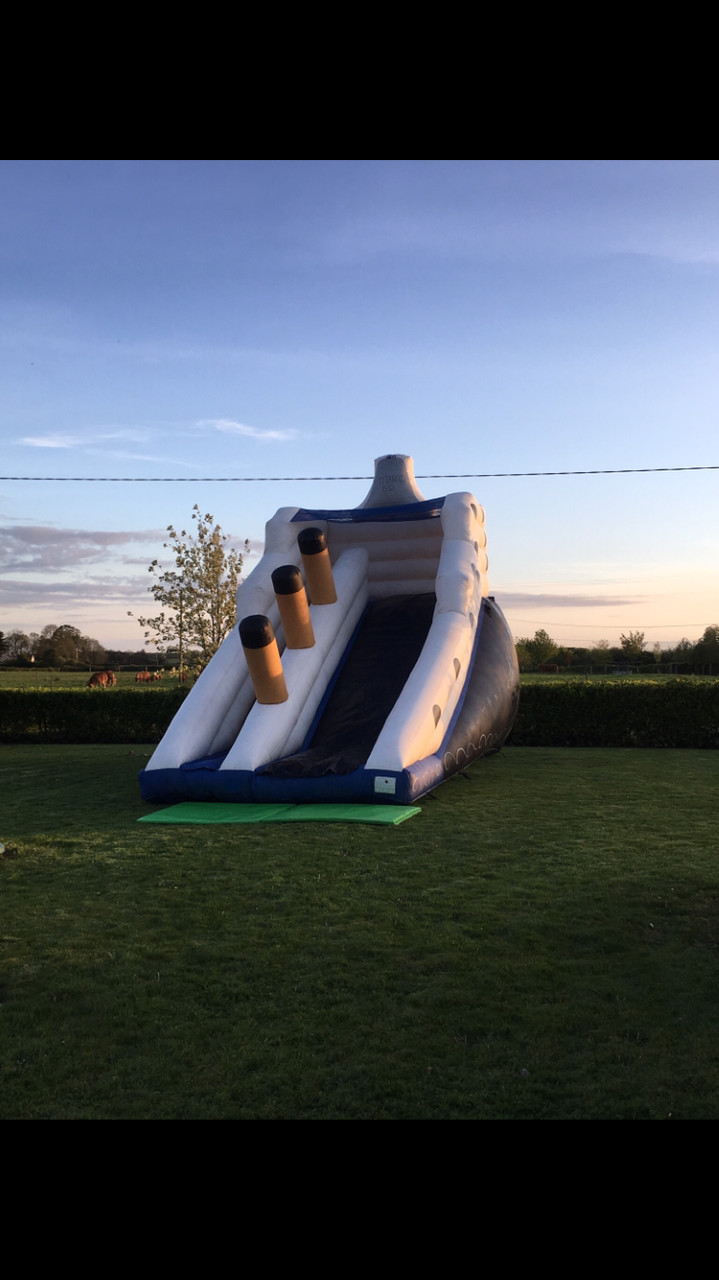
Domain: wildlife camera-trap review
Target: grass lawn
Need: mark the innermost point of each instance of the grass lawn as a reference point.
(39, 678)
(541, 942)
(36, 678)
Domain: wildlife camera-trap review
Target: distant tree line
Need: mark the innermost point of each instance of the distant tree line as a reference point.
(65, 647)
(54, 646)
(690, 657)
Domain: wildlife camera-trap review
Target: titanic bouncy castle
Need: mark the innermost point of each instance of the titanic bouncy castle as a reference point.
(369, 662)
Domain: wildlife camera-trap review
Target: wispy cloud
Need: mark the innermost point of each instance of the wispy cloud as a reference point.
(549, 600)
(66, 440)
(41, 549)
(100, 590)
(99, 441)
(52, 442)
(512, 210)
(41, 563)
(242, 429)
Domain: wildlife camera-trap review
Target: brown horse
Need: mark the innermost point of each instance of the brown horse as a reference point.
(102, 680)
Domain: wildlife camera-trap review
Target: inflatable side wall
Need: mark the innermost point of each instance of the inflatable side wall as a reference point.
(399, 672)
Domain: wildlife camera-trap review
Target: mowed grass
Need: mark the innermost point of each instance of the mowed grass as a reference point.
(646, 676)
(542, 942)
(35, 678)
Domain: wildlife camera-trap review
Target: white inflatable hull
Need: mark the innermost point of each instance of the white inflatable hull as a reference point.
(412, 607)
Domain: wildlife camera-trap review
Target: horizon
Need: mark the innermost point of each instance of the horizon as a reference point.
(164, 320)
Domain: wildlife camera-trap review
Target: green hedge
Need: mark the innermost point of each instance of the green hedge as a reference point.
(665, 713)
(89, 715)
(668, 713)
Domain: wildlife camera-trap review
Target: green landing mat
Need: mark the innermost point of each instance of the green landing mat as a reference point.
(204, 812)
(200, 812)
(390, 814)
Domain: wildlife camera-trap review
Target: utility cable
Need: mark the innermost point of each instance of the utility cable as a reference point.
(466, 475)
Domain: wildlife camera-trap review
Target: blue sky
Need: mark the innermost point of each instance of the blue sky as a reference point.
(181, 319)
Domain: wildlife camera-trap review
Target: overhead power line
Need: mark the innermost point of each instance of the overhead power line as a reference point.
(466, 475)
(592, 626)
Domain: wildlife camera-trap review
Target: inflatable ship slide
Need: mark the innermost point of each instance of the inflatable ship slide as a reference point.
(369, 662)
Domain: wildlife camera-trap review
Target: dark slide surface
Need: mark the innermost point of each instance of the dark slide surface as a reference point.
(491, 699)
(374, 672)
